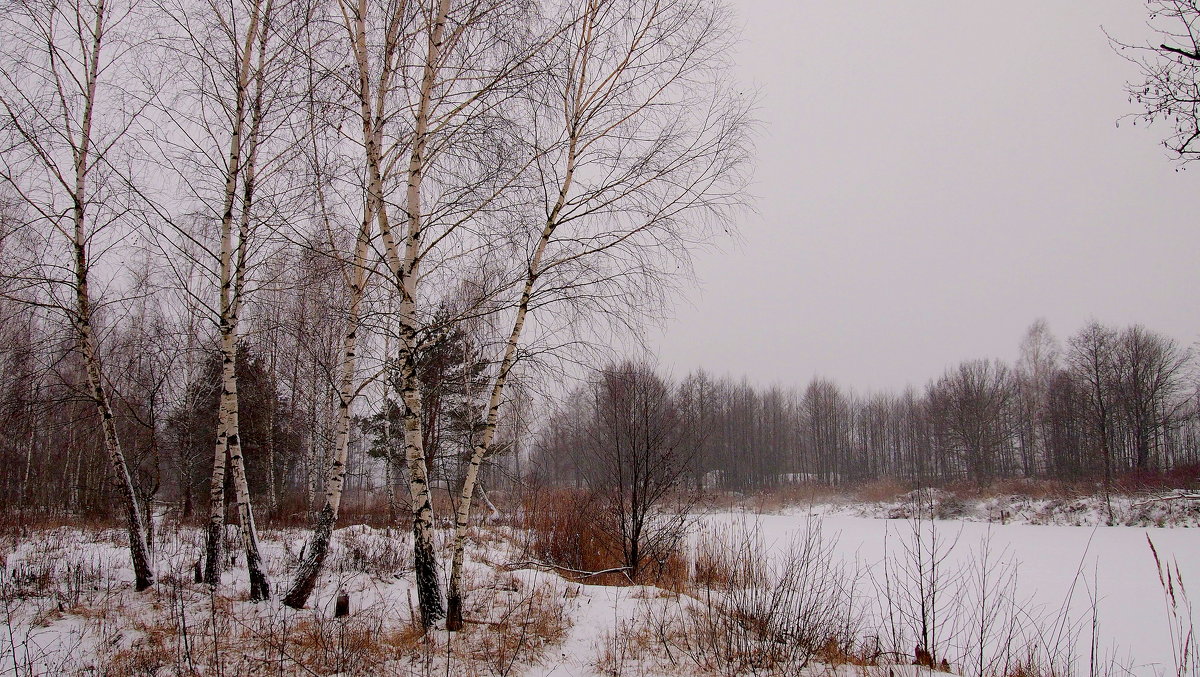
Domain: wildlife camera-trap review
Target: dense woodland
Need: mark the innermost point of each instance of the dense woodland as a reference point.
(1105, 402)
(166, 408)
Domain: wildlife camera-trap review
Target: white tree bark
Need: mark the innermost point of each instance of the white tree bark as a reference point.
(491, 418)
(402, 257)
(335, 478)
(424, 557)
(85, 28)
(228, 447)
(619, 166)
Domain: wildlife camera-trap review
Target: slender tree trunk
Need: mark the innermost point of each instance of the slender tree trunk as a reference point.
(424, 558)
(390, 480)
(228, 444)
(483, 446)
(260, 586)
(318, 545)
(454, 596)
(314, 453)
(29, 447)
(214, 545)
(405, 269)
(135, 526)
(143, 575)
(272, 418)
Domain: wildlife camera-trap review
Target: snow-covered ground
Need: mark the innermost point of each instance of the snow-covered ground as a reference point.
(1177, 509)
(1056, 567)
(68, 606)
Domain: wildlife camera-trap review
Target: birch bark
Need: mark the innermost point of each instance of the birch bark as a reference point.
(83, 160)
(631, 159)
(486, 436)
(53, 57)
(424, 558)
(318, 546)
(404, 265)
(228, 447)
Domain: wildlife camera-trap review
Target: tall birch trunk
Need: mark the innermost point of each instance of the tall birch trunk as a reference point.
(486, 436)
(424, 558)
(272, 419)
(389, 474)
(404, 267)
(228, 445)
(82, 320)
(260, 586)
(335, 478)
(575, 102)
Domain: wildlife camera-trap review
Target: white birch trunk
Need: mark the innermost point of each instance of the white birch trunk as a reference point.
(82, 320)
(335, 478)
(486, 435)
(404, 267)
(228, 444)
(483, 446)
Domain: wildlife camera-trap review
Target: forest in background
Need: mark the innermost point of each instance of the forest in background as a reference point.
(1110, 402)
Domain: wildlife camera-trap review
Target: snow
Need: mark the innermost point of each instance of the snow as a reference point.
(597, 612)
(1057, 567)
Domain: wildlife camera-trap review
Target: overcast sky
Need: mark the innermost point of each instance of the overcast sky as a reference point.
(932, 176)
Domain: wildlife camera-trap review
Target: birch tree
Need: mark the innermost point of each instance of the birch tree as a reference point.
(64, 124)
(348, 386)
(427, 79)
(638, 144)
(1035, 369)
(229, 139)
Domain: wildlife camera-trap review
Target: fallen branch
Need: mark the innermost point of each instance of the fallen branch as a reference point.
(580, 574)
(1177, 496)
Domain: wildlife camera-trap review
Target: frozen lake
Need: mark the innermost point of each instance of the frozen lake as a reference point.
(1113, 565)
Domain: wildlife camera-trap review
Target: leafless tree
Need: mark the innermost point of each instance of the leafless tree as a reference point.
(1169, 88)
(826, 415)
(226, 132)
(1150, 370)
(974, 398)
(1033, 373)
(1091, 354)
(637, 451)
(65, 119)
(637, 144)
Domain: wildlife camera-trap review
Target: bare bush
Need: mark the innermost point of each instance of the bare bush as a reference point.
(752, 612)
(964, 614)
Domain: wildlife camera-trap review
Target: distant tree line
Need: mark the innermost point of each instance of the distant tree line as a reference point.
(1109, 401)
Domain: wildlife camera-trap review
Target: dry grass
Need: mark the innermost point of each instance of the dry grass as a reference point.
(370, 552)
(720, 562)
(881, 490)
(566, 530)
(779, 497)
(520, 626)
(745, 613)
(562, 530)
(95, 624)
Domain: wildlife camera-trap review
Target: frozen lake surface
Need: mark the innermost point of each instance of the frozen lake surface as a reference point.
(1113, 565)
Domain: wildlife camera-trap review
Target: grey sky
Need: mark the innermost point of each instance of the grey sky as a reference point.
(933, 176)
